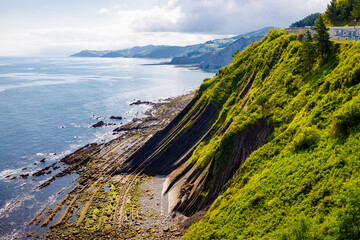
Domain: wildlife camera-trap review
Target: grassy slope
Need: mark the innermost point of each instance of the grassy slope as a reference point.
(305, 180)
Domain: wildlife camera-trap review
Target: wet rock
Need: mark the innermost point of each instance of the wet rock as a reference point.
(43, 160)
(116, 118)
(102, 124)
(138, 102)
(39, 173)
(98, 124)
(24, 175)
(8, 176)
(24, 169)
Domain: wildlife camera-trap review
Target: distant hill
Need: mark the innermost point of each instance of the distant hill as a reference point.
(209, 55)
(218, 53)
(307, 21)
(224, 57)
(90, 53)
(151, 51)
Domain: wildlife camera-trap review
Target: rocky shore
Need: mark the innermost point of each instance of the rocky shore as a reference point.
(105, 204)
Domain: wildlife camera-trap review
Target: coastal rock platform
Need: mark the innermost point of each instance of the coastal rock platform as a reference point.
(106, 204)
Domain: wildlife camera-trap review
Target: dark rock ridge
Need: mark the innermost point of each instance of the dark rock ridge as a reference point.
(168, 153)
(102, 124)
(139, 102)
(116, 118)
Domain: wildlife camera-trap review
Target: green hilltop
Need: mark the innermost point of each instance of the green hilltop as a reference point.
(303, 183)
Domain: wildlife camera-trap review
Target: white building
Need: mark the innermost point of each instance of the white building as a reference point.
(336, 33)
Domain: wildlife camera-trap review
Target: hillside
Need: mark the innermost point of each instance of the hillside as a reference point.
(271, 148)
(210, 55)
(224, 57)
(215, 54)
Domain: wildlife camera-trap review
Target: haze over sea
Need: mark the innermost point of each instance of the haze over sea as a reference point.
(47, 106)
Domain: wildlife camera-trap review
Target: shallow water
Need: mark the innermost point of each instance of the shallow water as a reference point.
(47, 106)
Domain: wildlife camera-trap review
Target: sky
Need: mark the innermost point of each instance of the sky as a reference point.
(63, 27)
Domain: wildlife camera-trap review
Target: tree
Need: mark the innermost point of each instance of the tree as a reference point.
(308, 51)
(322, 37)
(308, 21)
(235, 53)
(331, 12)
(355, 12)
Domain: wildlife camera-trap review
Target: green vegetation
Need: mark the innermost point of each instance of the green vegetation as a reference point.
(342, 12)
(308, 21)
(308, 51)
(304, 183)
(346, 117)
(322, 37)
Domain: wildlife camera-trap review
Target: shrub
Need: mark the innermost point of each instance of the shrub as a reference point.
(348, 218)
(306, 138)
(347, 117)
(299, 230)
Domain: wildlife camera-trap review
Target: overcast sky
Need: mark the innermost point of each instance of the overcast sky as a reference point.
(61, 27)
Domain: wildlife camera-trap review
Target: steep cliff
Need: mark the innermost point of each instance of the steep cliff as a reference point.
(276, 147)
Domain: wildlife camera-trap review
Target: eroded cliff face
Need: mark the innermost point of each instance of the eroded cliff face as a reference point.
(170, 148)
(189, 182)
(193, 188)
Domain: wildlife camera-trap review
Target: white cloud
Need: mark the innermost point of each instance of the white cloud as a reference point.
(104, 10)
(220, 16)
(177, 22)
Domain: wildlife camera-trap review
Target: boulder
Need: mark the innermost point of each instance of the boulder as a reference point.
(99, 124)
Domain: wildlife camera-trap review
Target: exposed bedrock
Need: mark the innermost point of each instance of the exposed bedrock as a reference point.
(168, 153)
(188, 182)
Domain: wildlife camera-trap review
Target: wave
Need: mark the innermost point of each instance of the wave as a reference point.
(14, 203)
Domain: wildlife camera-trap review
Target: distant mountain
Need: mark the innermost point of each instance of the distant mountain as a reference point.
(215, 54)
(151, 51)
(224, 57)
(210, 55)
(90, 53)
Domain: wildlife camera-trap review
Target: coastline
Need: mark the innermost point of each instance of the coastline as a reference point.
(115, 205)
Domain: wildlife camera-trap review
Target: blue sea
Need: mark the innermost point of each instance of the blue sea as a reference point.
(47, 106)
